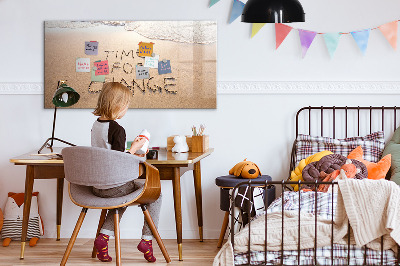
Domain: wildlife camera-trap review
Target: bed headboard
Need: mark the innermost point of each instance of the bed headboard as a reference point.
(344, 121)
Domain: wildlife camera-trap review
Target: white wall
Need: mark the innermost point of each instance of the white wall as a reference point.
(259, 127)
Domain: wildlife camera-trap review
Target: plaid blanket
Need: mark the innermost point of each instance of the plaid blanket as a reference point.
(322, 204)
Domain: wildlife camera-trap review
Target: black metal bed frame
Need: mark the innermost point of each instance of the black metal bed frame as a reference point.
(283, 184)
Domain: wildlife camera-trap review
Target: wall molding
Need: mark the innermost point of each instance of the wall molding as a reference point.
(260, 87)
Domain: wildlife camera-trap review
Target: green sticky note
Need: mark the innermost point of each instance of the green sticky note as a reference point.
(98, 78)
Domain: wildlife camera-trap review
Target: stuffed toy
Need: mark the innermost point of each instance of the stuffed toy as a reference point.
(296, 174)
(13, 215)
(245, 169)
(180, 144)
(375, 170)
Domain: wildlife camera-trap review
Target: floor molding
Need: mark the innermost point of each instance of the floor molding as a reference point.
(259, 87)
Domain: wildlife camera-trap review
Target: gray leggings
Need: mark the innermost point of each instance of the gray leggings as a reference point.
(154, 208)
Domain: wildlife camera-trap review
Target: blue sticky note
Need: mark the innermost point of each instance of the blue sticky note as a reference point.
(164, 67)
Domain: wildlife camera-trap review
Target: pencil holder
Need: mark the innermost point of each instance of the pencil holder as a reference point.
(200, 143)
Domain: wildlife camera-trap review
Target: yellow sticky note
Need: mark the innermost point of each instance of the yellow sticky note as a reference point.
(145, 48)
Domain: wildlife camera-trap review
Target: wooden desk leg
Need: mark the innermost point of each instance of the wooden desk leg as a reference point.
(60, 190)
(27, 206)
(199, 204)
(176, 183)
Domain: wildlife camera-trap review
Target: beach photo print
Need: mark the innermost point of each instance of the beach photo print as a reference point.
(165, 64)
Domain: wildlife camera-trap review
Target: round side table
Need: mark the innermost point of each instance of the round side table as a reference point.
(228, 182)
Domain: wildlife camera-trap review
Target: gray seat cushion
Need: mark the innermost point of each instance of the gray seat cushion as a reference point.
(83, 196)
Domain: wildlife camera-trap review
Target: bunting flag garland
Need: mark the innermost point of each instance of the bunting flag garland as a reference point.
(256, 27)
(389, 30)
(237, 8)
(361, 37)
(306, 39)
(281, 31)
(213, 2)
(332, 41)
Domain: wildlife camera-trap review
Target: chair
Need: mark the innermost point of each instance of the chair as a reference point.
(85, 167)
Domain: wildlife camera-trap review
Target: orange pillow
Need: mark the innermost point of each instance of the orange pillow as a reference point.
(375, 170)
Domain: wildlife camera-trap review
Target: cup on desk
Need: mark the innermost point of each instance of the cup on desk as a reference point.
(152, 155)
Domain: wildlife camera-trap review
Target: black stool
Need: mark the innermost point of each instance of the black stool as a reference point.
(226, 183)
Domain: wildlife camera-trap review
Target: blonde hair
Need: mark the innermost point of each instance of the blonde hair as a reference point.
(113, 98)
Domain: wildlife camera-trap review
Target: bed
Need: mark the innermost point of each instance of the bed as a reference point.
(301, 227)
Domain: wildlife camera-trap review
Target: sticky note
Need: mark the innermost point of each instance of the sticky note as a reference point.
(83, 65)
(102, 67)
(142, 72)
(164, 67)
(99, 78)
(151, 62)
(91, 48)
(145, 48)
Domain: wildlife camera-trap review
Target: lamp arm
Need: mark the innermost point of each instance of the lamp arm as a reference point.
(54, 125)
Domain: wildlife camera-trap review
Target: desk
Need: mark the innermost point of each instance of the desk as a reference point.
(169, 165)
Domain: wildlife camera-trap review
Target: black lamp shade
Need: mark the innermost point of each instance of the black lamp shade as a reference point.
(65, 96)
(273, 11)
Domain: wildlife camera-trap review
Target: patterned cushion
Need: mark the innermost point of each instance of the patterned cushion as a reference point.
(372, 144)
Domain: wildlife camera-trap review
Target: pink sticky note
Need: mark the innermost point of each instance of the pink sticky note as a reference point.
(102, 67)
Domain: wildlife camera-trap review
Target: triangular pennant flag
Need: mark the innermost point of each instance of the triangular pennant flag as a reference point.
(332, 41)
(361, 37)
(281, 31)
(255, 28)
(237, 9)
(213, 2)
(306, 39)
(390, 32)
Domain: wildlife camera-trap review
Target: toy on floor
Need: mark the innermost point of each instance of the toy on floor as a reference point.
(13, 215)
(245, 169)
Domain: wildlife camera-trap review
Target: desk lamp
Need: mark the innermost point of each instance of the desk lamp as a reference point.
(64, 96)
(272, 11)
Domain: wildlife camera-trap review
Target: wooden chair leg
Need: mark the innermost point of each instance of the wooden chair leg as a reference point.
(101, 222)
(73, 237)
(223, 229)
(117, 238)
(154, 230)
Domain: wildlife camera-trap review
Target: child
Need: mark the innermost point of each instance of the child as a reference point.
(106, 133)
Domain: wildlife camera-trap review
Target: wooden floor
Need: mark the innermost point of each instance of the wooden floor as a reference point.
(50, 252)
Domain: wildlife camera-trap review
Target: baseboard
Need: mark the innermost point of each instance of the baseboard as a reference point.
(260, 87)
(135, 233)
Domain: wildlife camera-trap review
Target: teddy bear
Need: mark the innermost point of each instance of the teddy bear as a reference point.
(245, 169)
(13, 215)
(180, 144)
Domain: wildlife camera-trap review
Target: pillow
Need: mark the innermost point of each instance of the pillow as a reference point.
(296, 174)
(372, 144)
(393, 148)
(375, 170)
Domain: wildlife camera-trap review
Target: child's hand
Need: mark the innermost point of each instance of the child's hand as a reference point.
(137, 144)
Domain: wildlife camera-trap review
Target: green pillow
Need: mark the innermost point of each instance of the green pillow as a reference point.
(393, 147)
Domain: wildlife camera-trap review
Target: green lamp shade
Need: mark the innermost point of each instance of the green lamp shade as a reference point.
(65, 96)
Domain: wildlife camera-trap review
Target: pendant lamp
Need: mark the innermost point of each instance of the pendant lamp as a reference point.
(272, 11)
(64, 96)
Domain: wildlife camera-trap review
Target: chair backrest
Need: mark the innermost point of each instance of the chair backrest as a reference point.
(92, 166)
